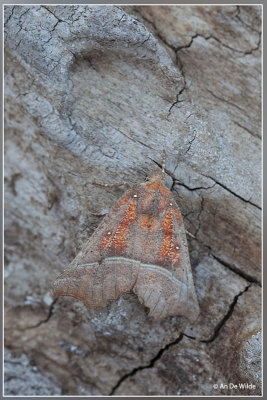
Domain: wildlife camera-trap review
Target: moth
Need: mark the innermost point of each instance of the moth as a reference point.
(140, 246)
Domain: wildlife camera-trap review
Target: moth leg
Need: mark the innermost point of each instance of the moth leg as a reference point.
(107, 185)
(163, 161)
(190, 234)
(98, 214)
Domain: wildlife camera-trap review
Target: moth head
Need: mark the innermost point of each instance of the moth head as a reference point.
(156, 176)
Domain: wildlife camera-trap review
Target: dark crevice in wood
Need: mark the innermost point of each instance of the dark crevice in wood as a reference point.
(51, 12)
(43, 321)
(192, 189)
(227, 102)
(10, 16)
(237, 270)
(243, 22)
(215, 334)
(258, 136)
(189, 336)
(233, 268)
(233, 193)
(173, 48)
(196, 35)
(176, 101)
(222, 322)
(149, 365)
(152, 23)
(50, 313)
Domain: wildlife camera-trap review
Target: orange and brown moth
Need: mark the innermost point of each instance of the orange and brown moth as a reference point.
(139, 246)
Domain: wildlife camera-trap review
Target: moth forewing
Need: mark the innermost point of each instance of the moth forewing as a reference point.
(139, 246)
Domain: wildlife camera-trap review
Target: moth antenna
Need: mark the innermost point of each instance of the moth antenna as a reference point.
(163, 162)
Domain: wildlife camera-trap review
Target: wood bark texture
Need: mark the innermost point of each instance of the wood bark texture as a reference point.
(94, 94)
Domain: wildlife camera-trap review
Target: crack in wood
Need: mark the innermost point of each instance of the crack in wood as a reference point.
(215, 334)
(237, 271)
(149, 365)
(234, 269)
(222, 322)
(230, 191)
(43, 321)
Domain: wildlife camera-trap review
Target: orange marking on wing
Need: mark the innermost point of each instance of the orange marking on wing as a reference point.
(153, 186)
(131, 213)
(105, 241)
(166, 246)
(145, 221)
(123, 201)
(167, 222)
(127, 217)
(164, 190)
(167, 240)
(170, 249)
(153, 225)
(176, 252)
(119, 240)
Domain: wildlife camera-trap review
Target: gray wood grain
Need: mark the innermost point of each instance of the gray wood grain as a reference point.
(95, 94)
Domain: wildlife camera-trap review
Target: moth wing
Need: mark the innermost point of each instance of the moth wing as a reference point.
(169, 292)
(96, 285)
(184, 274)
(92, 277)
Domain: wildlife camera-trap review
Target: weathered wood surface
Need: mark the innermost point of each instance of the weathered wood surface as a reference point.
(95, 94)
